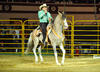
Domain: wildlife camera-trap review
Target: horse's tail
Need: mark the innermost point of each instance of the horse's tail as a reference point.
(30, 45)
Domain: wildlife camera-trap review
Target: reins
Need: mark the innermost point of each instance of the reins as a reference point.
(56, 32)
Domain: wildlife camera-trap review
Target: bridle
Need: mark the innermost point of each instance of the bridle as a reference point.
(62, 23)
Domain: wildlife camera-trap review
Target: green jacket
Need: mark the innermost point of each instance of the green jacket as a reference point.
(44, 17)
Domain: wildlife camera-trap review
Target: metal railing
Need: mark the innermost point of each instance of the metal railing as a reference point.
(78, 41)
(89, 40)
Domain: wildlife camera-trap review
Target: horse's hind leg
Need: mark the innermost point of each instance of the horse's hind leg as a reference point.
(34, 50)
(39, 50)
(63, 50)
(36, 57)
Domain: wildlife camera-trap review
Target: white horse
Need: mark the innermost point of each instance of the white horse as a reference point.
(56, 37)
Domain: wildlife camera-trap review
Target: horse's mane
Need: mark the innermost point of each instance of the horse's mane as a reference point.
(52, 22)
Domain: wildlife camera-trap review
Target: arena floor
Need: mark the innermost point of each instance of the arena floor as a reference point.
(15, 63)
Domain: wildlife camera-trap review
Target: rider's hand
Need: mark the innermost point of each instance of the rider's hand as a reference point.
(45, 11)
(49, 20)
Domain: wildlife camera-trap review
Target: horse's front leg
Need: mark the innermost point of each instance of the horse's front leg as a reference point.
(55, 53)
(63, 51)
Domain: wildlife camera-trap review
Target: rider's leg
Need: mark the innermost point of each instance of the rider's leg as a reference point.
(43, 27)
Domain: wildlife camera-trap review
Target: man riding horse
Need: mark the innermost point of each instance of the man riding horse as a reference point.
(45, 18)
(55, 36)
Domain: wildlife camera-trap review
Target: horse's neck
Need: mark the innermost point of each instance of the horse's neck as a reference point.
(57, 24)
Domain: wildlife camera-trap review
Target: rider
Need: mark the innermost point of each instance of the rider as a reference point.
(45, 18)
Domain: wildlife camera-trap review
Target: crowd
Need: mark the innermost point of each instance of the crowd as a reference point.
(11, 35)
(8, 36)
(73, 1)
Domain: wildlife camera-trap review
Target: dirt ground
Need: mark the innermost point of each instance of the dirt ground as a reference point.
(15, 63)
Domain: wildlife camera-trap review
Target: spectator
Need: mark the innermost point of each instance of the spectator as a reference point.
(16, 36)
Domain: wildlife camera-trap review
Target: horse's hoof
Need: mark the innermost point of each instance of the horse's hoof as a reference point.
(26, 53)
(36, 62)
(58, 64)
(41, 61)
(62, 63)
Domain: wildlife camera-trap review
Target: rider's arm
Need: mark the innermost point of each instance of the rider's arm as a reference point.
(49, 17)
(41, 14)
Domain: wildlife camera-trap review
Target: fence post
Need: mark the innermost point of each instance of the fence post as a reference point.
(72, 38)
(98, 34)
(23, 38)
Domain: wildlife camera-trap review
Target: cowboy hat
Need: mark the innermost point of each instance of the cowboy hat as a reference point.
(43, 5)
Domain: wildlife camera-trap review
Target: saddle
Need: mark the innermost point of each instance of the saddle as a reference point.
(38, 32)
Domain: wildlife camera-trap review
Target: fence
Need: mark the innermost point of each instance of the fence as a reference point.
(80, 39)
(87, 37)
(11, 35)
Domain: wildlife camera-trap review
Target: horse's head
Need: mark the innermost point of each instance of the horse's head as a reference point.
(63, 18)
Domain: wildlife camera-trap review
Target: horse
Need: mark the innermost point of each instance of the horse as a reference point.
(55, 36)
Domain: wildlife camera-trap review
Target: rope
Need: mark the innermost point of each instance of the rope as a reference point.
(95, 11)
(64, 5)
(68, 28)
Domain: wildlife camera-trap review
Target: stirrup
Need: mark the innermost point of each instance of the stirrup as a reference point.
(45, 43)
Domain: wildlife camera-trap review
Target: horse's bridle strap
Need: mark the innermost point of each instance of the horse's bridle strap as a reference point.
(56, 33)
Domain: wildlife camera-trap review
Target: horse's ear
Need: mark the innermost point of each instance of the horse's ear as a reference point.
(63, 12)
(59, 13)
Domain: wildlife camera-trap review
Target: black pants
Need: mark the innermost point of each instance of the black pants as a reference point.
(43, 28)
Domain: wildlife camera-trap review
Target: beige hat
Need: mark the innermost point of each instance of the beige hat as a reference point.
(43, 5)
